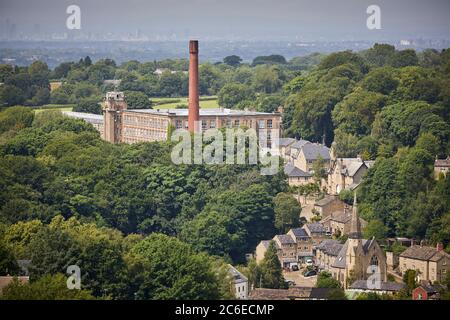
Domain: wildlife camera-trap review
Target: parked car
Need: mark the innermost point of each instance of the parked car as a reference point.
(309, 262)
(310, 273)
(290, 283)
(294, 267)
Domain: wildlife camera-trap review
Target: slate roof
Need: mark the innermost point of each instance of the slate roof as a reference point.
(237, 276)
(324, 201)
(88, 117)
(442, 162)
(284, 239)
(299, 233)
(423, 253)
(384, 286)
(284, 142)
(330, 247)
(316, 227)
(340, 260)
(299, 144)
(292, 171)
(265, 243)
(313, 151)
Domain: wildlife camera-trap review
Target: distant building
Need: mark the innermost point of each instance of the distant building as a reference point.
(441, 167)
(292, 248)
(327, 205)
(358, 256)
(431, 263)
(385, 287)
(427, 291)
(297, 176)
(6, 280)
(316, 231)
(122, 125)
(346, 173)
(239, 283)
(95, 119)
(326, 252)
(339, 222)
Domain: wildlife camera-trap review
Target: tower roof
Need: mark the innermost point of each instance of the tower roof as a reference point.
(355, 226)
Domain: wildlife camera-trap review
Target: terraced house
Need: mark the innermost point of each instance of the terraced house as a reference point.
(432, 263)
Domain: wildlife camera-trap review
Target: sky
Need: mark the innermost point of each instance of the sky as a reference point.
(307, 20)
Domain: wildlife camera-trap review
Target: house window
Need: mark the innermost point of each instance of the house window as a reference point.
(204, 124)
(374, 261)
(269, 123)
(261, 124)
(212, 124)
(236, 123)
(179, 124)
(228, 123)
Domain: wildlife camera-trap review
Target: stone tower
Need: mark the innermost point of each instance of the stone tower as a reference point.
(355, 251)
(193, 113)
(113, 106)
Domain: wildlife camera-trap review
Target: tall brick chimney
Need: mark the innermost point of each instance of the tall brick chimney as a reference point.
(193, 114)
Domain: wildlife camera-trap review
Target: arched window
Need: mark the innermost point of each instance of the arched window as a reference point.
(374, 261)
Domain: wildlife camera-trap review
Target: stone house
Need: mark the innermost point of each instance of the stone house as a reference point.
(431, 263)
(339, 222)
(346, 173)
(358, 257)
(287, 250)
(316, 231)
(304, 244)
(292, 248)
(427, 291)
(328, 204)
(297, 176)
(326, 252)
(239, 283)
(441, 166)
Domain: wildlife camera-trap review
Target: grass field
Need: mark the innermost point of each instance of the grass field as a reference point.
(205, 102)
(67, 107)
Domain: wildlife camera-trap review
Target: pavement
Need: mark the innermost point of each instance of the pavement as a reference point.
(299, 279)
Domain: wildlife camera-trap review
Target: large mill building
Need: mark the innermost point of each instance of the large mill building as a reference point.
(118, 124)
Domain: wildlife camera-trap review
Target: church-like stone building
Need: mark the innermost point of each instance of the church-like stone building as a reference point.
(358, 258)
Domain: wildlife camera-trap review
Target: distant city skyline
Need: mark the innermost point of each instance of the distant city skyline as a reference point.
(293, 20)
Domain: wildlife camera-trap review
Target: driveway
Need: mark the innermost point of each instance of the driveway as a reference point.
(299, 279)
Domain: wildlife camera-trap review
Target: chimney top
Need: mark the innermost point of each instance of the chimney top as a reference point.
(193, 46)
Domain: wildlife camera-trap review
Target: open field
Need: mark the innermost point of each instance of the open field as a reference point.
(205, 102)
(67, 107)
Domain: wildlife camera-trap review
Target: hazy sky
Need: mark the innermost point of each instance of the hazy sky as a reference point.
(305, 19)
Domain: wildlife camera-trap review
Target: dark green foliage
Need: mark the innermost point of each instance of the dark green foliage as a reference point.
(272, 59)
(49, 287)
(165, 268)
(137, 100)
(325, 280)
(270, 269)
(88, 105)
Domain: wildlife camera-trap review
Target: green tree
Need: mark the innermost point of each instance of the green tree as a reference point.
(49, 287)
(376, 229)
(325, 280)
(271, 272)
(409, 278)
(231, 94)
(165, 268)
(89, 105)
(232, 60)
(287, 212)
(137, 100)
